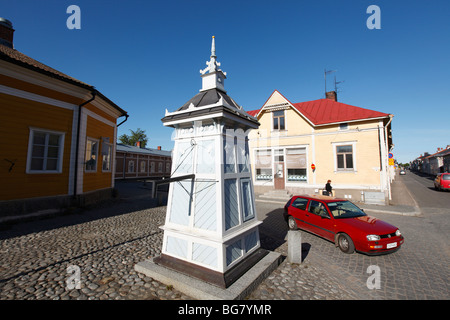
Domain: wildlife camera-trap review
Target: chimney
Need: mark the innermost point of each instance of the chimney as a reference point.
(159, 147)
(332, 95)
(138, 144)
(6, 33)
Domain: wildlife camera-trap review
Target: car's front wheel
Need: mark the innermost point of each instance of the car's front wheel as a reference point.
(345, 243)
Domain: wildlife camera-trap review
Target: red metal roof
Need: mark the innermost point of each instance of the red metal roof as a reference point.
(326, 111)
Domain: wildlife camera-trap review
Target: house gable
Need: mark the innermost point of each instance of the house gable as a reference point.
(295, 120)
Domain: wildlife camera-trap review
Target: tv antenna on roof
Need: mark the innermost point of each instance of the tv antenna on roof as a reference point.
(336, 83)
(325, 72)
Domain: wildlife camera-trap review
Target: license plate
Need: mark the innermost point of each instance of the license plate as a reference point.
(391, 245)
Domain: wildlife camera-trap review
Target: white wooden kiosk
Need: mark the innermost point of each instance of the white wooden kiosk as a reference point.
(211, 228)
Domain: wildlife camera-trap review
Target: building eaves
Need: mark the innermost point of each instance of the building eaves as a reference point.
(16, 57)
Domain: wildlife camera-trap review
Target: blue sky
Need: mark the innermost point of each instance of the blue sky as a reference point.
(146, 56)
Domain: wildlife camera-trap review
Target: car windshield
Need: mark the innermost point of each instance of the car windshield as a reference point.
(446, 177)
(345, 209)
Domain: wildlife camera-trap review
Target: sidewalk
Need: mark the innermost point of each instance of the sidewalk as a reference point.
(402, 202)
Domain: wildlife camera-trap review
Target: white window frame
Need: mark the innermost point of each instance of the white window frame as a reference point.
(30, 150)
(142, 166)
(273, 117)
(109, 146)
(96, 154)
(339, 144)
(130, 164)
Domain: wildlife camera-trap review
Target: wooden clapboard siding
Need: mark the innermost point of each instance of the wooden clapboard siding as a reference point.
(36, 89)
(100, 112)
(17, 116)
(98, 180)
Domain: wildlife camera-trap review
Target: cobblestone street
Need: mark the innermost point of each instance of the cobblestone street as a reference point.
(106, 242)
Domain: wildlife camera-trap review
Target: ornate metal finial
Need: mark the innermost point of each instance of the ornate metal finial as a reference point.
(213, 47)
(212, 64)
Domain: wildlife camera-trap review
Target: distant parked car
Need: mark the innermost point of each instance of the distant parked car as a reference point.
(342, 222)
(442, 181)
(402, 171)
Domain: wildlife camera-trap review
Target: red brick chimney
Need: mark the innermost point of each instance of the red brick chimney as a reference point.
(332, 95)
(6, 33)
(159, 147)
(138, 144)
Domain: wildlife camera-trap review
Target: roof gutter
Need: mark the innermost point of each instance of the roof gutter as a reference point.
(94, 94)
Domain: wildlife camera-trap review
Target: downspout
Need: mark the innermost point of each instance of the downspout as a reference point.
(125, 154)
(387, 157)
(94, 93)
(126, 118)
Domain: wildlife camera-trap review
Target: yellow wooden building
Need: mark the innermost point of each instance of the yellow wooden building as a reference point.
(300, 146)
(57, 135)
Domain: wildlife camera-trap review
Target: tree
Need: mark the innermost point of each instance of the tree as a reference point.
(131, 140)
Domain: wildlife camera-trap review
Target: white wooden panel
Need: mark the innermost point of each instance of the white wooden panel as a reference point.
(177, 246)
(251, 240)
(205, 216)
(231, 204)
(204, 254)
(234, 252)
(184, 158)
(247, 199)
(206, 156)
(181, 202)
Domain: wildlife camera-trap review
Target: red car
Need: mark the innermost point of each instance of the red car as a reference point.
(343, 223)
(442, 181)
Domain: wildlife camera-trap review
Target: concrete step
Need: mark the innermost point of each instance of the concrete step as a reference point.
(276, 194)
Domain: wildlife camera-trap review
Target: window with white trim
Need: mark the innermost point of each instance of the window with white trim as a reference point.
(264, 165)
(106, 156)
(142, 166)
(131, 166)
(296, 164)
(278, 120)
(45, 151)
(344, 158)
(91, 155)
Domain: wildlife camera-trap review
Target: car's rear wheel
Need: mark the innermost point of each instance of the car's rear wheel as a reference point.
(345, 243)
(292, 224)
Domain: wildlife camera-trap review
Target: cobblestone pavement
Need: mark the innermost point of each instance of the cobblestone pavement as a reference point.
(106, 248)
(106, 242)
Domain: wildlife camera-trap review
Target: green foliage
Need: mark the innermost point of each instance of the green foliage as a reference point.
(134, 137)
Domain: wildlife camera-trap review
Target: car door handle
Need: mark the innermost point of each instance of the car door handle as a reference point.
(307, 215)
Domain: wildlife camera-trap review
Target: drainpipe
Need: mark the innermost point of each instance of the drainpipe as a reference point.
(388, 174)
(94, 93)
(126, 118)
